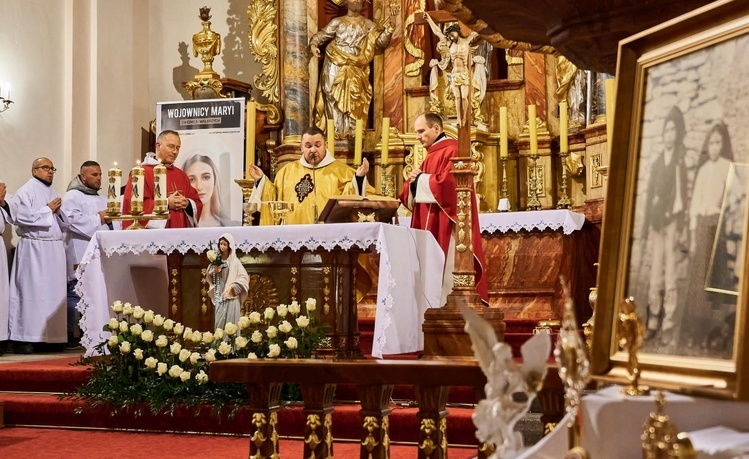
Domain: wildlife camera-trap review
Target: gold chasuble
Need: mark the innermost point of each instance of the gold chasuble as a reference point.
(307, 188)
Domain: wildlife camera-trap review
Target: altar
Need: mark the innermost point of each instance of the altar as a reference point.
(135, 266)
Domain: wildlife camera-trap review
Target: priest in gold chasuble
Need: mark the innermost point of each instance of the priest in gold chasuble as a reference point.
(308, 183)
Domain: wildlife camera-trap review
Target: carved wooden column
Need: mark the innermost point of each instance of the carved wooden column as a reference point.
(318, 412)
(432, 421)
(263, 402)
(295, 67)
(375, 433)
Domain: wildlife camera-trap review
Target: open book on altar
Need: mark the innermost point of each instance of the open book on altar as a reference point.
(346, 209)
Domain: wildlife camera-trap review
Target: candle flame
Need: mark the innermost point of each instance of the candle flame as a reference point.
(115, 164)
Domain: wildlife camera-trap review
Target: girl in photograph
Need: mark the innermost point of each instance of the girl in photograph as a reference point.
(228, 283)
(203, 175)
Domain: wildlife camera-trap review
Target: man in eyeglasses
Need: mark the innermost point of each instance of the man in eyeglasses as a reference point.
(38, 292)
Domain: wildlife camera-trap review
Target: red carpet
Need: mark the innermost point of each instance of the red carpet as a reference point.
(18, 442)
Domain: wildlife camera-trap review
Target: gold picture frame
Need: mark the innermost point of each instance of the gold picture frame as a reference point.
(676, 83)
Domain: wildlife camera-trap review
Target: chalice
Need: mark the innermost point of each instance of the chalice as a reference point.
(279, 210)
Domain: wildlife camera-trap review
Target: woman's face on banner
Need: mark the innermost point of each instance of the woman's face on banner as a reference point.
(202, 179)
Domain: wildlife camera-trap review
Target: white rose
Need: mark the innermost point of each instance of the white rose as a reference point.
(124, 326)
(136, 329)
(175, 371)
(161, 341)
(148, 317)
(210, 356)
(252, 356)
(294, 307)
(161, 368)
(168, 324)
(125, 347)
(158, 320)
(201, 377)
(224, 348)
(256, 337)
(255, 317)
(138, 312)
(271, 331)
(212, 255)
(112, 341)
(117, 306)
(178, 328)
(311, 304)
(138, 353)
(187, 333)
(151, 363)
(113, 324)
(184, 376)
(291, 343)
(218, 334)
(207, 338)
(284, 326)
(282, 310)
(269, 313)
(274, 350)
(127, 309)
(184, 354)
(194, 357)
(196, 337)
(230, 328)
(302, 321)
(147, 336)
(240, 342)
(243, 322)
(175, 348)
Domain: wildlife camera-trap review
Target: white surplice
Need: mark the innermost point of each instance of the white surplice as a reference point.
(38, 287)
(4, 286)
(82, 213)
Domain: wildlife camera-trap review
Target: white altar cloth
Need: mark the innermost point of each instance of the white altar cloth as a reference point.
(540, 220)
(130, 266)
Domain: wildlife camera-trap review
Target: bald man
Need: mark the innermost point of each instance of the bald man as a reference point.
(38, 292)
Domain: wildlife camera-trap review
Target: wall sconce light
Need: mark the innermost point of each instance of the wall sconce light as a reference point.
(5, 99)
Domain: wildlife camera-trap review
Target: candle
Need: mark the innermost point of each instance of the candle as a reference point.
(136, 188)
(503, 152)
(610, 98)
(385, 141)
(250, 135)
(358, 141)
(331, 136)
(564, 145)
(160, 190)
(114, 176)
(532, 128)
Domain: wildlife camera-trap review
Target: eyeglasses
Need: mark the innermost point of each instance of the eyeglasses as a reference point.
(47, 168)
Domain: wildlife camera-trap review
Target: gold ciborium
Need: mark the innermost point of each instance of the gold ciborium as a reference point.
(279, 210)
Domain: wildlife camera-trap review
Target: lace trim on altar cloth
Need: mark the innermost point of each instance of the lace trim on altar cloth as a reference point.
(540, 220)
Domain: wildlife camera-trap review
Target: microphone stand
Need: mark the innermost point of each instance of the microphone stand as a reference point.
(314, 190)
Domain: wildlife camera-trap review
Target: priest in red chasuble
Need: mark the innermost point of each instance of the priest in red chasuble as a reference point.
(183, 200)
(430, 193)
(309, 182)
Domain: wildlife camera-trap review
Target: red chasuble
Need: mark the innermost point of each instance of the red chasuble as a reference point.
(176, 179)
(439, 218)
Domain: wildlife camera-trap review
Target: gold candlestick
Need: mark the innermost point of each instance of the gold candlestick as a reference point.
(504, 198)
(533, 202)
(387, 183)
(247, 186)
(564, 200)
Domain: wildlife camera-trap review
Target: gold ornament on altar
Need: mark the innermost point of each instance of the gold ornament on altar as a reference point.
(660, 438)
(207, 44)
(629, 334)
(279, 210)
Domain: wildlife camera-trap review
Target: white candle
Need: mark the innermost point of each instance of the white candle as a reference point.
(503, 151)
(385, 141)
(358, 142)
(251, 119)
(564, 146)
(136, 190)
(160, 189)
(114, 179)
(610, 98)
(532, 128)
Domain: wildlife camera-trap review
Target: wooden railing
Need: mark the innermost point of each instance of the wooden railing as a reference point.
(374, 380)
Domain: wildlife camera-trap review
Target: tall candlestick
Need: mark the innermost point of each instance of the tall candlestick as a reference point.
(385, 141)
(503, 151)
(160, 190)
(136, 195)
(331, 136)
(610, 98)
(250, 153)
(114, 179)
(532, 128)
(358, 141)
(564, 145)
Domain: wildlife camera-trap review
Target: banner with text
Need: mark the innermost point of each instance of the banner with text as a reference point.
(212, 153)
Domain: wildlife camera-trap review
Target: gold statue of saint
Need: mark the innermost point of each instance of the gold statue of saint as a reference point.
(344, 92)
(207, 43)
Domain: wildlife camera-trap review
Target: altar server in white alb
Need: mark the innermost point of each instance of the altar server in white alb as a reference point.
(4, 288)
(37, 284)
(85, 212)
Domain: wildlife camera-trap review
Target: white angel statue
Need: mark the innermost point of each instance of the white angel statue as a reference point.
(510, 387)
